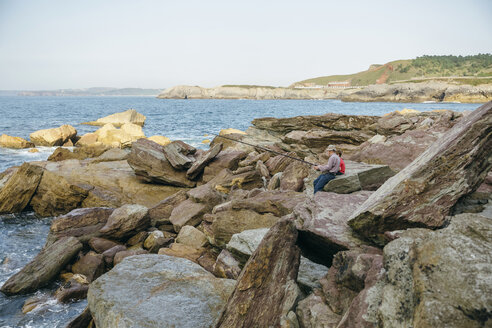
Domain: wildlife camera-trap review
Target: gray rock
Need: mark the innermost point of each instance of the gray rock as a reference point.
(165, 292)
(126, 220)
(176, 153)
(43, 268)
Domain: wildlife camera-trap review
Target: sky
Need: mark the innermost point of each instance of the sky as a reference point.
(51, 44)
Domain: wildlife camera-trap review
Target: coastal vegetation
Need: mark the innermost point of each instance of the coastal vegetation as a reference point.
(455, 69)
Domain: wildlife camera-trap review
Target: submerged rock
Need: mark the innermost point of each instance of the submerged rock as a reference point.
(422, 194)
(43, 268)
(165, 292)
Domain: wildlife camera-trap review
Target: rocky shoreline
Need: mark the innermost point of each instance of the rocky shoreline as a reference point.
(233, 237)
(404, 92)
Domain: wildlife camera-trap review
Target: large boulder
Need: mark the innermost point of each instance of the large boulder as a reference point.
(118, 119)
(91, 265)
(82, 223)
(422, 194)
(293, 176)
(126, 221)
(120, 138)
(53, 137)
(150, 164)
(322, 224)
(438, 278)
(165, 292)
(43, 268)
(19, 188)
(14, 142)
(266, 289)
(187, 213)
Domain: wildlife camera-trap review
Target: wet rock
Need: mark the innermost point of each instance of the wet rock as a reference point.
(202, 161)
(100, 245)
(90, 265)
(192, 296)
(226, 159)
(226, 266)
(177, 153)
(53, 137)
(83, 320)
(160, 213)
(118, 257)
(446, 270)
(187, 213)
(19, 189)
(110, 253)
(322, 224)
(126, 220)
(43, 268)
(181, 250)
(150, 164)
(422, 194)
(266, 289)
(293, 176)
(71, 290)
(191, 236)
(118, 119)
(33, 302)
(14, 142)
(83, 223)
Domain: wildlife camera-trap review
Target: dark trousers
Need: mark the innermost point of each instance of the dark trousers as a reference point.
(322, 180)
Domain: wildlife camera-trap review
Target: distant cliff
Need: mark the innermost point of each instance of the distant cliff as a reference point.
(93, 92)
(246, 92)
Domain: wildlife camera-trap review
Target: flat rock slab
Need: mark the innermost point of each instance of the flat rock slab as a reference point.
(424, 192)
(158, 291)
(43, 268)
(118, 119)
(359, 176)
(322, 224)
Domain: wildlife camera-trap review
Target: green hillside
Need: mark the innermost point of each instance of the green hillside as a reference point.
(476, 69)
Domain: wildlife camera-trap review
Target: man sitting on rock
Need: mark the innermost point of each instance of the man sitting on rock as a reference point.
(329, 170)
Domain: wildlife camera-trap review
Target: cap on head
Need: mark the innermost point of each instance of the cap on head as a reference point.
(331, 148)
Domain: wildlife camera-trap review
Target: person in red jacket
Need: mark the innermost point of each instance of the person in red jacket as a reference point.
(342, 163)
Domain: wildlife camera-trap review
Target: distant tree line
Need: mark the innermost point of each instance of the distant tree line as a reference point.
(449, 65)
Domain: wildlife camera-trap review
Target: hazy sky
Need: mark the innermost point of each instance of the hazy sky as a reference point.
(47, 44)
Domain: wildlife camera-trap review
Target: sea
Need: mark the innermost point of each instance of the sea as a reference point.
(23, 235)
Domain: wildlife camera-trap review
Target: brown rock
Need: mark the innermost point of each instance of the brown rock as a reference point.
(100, 245)
(126, 220)
(293, 176)
(279, 163)
(53, 137)
(226, 159)
(314, 312)
(262, 169)
(90, 265)
(202, 161)
(150, 164)
(43, 268)
(180, 250)
(191, 236)
(19, 189)
(118, 119)
(160, 213)
(83, 223)
(118, 257)
(137, 238)
(278, 203)
(423, 193)
(206, 195)
(83, 320)
(266, 289)
(155, 241)
(187, 213)
(274, 182)
(14, 142)
(71, 291)
(254, 157)
(226, 181)
(226, 266)
(110, 253)
(87, 140)
(177, 153)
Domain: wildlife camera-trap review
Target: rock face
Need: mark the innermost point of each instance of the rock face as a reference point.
(19, 189)
(266, 289)
(419, 92)
(45, 267)
(14, 142)
(165, 292)
(195, 92)
(423, 193)
(125, 221)
(439, 278)
(150, 164)
(118, 119)
(53, 137)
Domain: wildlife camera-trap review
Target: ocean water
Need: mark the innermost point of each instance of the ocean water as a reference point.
(22, 236)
